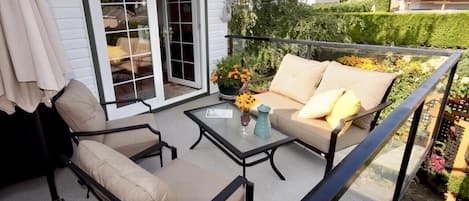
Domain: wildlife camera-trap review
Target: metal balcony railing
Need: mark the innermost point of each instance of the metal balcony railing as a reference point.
(383, 165)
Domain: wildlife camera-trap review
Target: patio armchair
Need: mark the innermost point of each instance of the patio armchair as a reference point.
(135, 137)
(110, 175)
(298, 80)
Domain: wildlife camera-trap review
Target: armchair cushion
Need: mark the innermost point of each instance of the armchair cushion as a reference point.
(132, 142)
(321, 104)
(295, 71)
(194, 183)
(120, 175)
(80, 110)
(368, 86)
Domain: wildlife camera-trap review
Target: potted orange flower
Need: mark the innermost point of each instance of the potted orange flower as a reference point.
(230, 74)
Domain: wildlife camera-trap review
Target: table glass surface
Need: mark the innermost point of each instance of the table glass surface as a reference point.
(230, 129)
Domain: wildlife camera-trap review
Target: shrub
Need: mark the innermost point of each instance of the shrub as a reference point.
(460, 87)
(296, 21)
(360, 6)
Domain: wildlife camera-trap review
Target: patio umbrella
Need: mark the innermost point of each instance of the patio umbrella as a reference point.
(32, 62)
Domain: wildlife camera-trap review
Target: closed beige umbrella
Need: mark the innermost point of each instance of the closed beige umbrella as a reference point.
(32, 64)
(32, 60)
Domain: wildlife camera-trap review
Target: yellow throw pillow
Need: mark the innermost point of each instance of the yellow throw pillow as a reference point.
(321, 104)
(347, 106)
(115, 53)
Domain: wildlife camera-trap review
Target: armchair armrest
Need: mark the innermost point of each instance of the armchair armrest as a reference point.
(153, 148)
(245, 85)
(129, 100)
(116, 130)
(233, 186)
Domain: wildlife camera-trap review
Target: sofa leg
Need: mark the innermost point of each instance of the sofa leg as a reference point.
(329, 163)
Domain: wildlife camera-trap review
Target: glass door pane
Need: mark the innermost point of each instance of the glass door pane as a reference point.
(182, 64)
(129, 48)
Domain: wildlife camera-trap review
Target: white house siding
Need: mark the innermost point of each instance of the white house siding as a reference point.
(217, 29)
(71, 23)
(72, 27)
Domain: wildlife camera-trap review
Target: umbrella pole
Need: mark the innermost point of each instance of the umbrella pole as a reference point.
(45, 154)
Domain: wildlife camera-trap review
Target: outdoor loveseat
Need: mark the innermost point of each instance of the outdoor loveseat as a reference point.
(296, 84)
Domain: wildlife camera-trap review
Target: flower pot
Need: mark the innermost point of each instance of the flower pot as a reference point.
(228, 90)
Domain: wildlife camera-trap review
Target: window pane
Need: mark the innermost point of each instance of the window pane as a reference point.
(111, 1)
(176, 51)
(146, 88)
(186, 12)
(119, 56)
(188, 52)
(124, 92)
(189, 71)
(113, 18)
(137, 16)
(143, 65)
(174, 32)
(187, 33)
(173, 12)
(176, 69)
(140, 42)
(135, 1)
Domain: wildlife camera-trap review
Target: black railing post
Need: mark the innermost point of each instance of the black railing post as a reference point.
(230, 46)
(407, 152)
(309, 52)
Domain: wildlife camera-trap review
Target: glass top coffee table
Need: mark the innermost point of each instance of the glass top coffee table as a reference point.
(226, 134)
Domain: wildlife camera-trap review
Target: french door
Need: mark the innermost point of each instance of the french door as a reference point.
(128, 39)
(181, 41)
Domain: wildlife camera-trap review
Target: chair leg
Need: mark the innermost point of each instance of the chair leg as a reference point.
(161, 157)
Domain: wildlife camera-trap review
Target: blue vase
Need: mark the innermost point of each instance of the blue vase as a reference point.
(262, 128)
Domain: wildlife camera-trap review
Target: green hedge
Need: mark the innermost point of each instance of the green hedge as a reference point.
(352, 6)
(360, 6)
(439, 30)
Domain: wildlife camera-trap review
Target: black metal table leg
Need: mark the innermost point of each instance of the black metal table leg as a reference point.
(200, 138)
(244, 168)
(271, 156)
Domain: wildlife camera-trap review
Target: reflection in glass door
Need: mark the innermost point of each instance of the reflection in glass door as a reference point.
(181, 41)
(129, 49)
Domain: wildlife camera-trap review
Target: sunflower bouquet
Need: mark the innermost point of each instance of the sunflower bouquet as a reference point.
(245, 101)
(230, 73)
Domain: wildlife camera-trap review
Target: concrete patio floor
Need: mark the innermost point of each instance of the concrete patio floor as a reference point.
(302, 168)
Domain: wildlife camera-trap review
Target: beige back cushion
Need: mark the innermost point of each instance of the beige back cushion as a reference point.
(118, 174)
(81, 110)
(368, 86)
(297, 78)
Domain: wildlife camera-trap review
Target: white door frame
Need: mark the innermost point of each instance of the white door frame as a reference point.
(105, 69)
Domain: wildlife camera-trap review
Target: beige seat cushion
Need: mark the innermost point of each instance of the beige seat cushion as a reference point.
(194, 183)
(131, 142)
(368, 86)
(122, 177)
(317, 132)
(297, 78)
(276, 102)
(81, 110)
